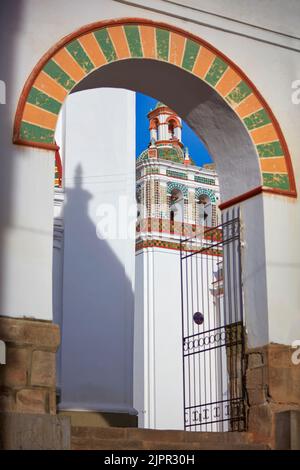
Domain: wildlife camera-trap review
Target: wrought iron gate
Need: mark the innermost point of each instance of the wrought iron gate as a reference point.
(213, 333)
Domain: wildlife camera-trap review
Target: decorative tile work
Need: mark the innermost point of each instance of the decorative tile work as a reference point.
(257, 119)
(272, 149)
(143, 156)
(134, 40)
(162, 44)
(105, 44)
(59, 75)
(142, 244)
(159, 223)
(202, 179)
(239, 93)
(92, 49)
(30, 132)
(173, 154)
(118, 39)
(57, 179)
(177, 44)
(191, 208)
(58, 171)
(276, 180)
(41, 100)
(78, 53)
(207, 192)
(164, 153)
(216, 71)
(174, 185)
(78, 57)
(176, 174)
(190, 54)
(138, 192)
(152, 170)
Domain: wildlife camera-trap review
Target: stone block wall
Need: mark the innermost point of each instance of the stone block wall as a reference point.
(28, 379)
(273, 386)
(28, 382)
(23, 431)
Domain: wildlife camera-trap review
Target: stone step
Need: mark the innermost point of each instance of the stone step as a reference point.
(99, 419)
(152, 445)
(96, 438)
(125, 444)
(105, 444)
(159, 435)
(186, 436)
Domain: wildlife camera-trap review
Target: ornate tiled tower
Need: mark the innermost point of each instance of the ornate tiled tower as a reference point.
(176, 199)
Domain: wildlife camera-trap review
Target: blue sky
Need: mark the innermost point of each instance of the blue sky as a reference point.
(196, 148)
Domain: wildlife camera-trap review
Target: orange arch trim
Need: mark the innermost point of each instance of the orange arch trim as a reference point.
(80, 53)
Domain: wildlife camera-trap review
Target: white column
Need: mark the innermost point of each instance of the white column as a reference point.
(158, 380)
(177, 133)
(153, 134)
(163, 132)
(163, 128)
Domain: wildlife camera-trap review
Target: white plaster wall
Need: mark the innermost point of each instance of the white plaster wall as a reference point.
(158, 371)
(141, 345)
(26, 233)
(158, 378)
(271, 270)
(168, 337)
(266, 48)
(98, 274)
(253, 262)
(283, 269)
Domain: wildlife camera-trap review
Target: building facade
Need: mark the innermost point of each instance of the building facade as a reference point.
(176, 199)
(206, 59)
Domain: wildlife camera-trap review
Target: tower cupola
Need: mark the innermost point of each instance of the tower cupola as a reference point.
(164, 124)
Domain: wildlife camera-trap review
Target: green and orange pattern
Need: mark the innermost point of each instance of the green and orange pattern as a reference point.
(89, 51)
(167, 245)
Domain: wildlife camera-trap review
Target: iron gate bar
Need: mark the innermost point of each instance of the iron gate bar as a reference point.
(235, 343)
(238, 401)
(213, 374)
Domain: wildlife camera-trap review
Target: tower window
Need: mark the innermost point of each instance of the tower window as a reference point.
(205, 211)
(171, 128)
(177, 206)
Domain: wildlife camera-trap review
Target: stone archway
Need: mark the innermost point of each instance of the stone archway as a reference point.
(98, 44)
(75, 60)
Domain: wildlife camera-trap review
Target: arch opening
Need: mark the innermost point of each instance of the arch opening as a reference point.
(226, 98)
(176, 206)
(211, 118)
(205, 211)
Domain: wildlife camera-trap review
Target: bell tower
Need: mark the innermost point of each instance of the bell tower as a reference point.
(171, 189)
(165, 125)
(176, 199)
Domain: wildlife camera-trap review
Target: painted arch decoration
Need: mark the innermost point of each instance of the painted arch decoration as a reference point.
(98, 44)
(208, 192)
(181, 187)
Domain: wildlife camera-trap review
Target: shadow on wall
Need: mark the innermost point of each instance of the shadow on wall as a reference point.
(98, 312)
(10, 21)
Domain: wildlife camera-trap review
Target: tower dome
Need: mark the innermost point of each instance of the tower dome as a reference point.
(159, 104)
(164, 124)
(165, 136)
